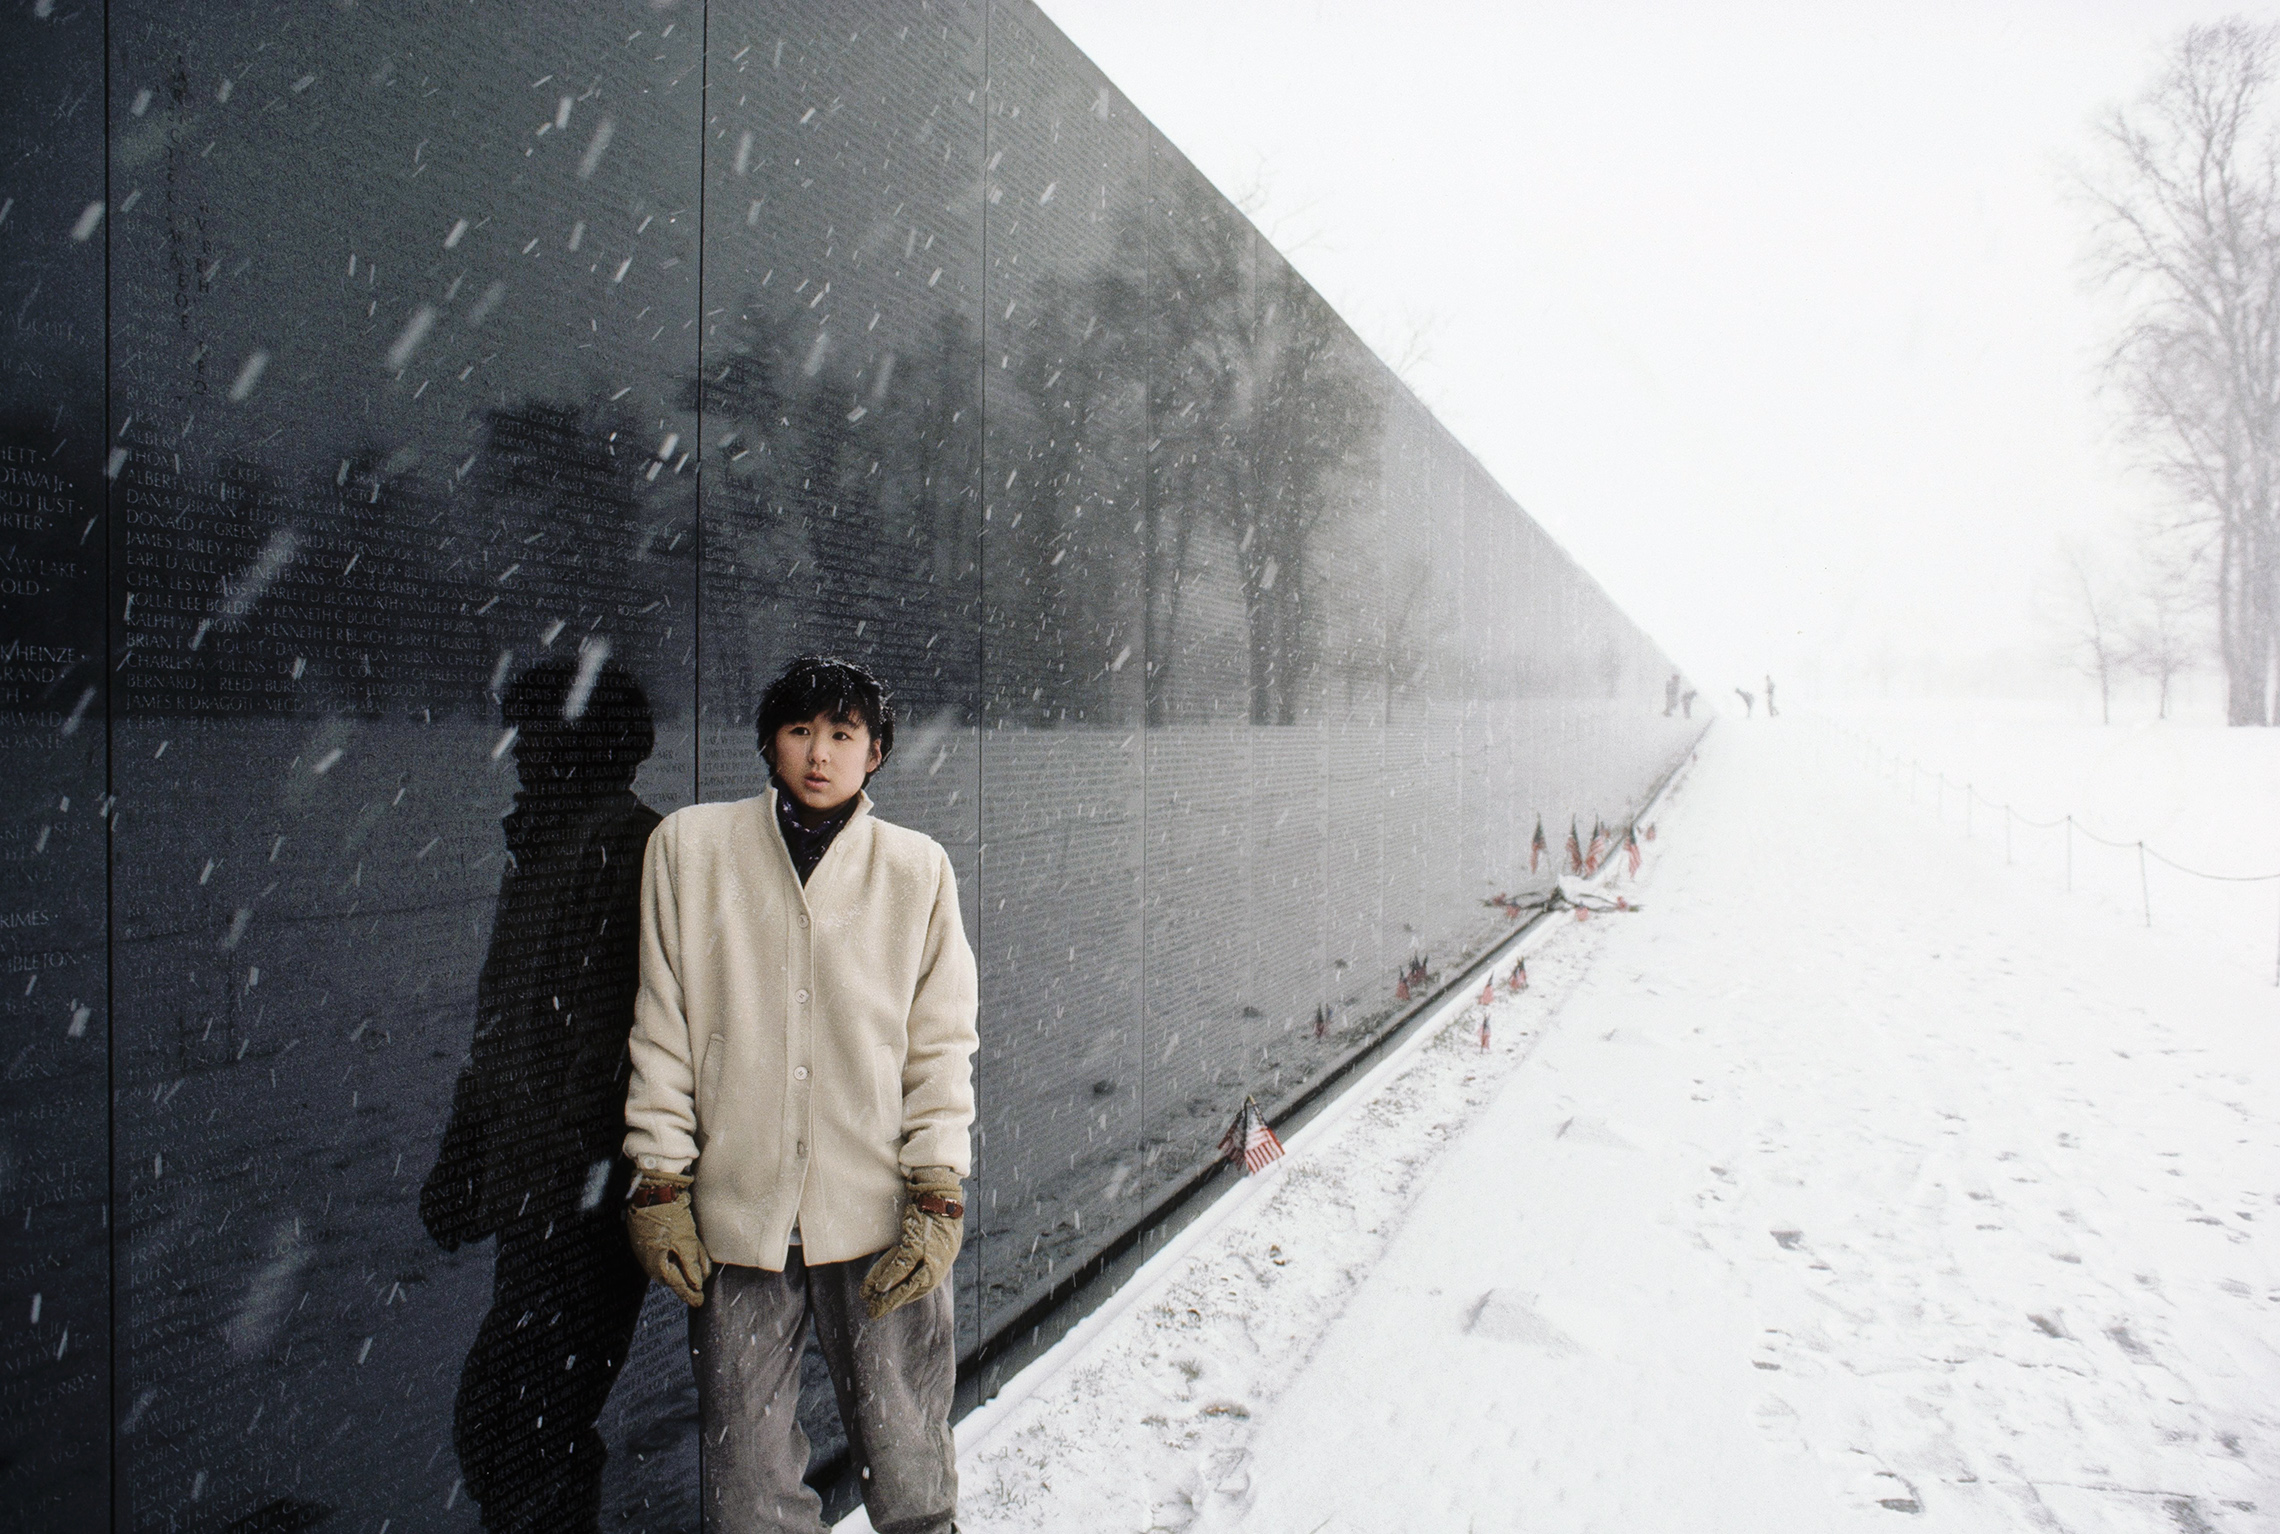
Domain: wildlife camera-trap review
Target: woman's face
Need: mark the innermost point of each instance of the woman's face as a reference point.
(823, 760)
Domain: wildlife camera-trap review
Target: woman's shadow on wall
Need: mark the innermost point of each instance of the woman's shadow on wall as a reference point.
(531, 1154)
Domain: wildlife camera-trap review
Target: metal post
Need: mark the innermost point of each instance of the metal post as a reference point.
(2145, 892)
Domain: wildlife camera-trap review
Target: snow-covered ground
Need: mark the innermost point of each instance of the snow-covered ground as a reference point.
(1830, 1190)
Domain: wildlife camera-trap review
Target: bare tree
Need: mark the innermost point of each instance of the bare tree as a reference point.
(2096, 641)
(2187, 229)
(2167, 635)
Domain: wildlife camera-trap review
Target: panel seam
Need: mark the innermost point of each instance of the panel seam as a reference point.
(697, 516)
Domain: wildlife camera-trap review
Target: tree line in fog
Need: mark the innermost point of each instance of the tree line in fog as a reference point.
(2184, 213)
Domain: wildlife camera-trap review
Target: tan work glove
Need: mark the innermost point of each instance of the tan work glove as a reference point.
(933, 1228)
(663, 1232)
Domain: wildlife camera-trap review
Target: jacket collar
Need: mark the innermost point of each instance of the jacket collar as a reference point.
(775, 837)
(863, 804)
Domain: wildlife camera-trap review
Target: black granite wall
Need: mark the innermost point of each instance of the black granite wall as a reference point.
(363, 358)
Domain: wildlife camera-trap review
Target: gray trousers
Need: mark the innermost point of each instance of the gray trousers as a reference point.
(893, 1378)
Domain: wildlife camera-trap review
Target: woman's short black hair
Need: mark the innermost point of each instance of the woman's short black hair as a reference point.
(825, 684)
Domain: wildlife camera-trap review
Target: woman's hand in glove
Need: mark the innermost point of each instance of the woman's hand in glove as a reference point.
(933, 1228)
(663, 1232)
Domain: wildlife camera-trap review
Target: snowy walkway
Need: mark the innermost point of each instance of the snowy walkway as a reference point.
(1852, 1184)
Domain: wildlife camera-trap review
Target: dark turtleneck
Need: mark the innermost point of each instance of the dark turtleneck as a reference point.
(806, 843)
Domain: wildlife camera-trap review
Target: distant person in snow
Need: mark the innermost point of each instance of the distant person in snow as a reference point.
(1686, 702)
(800, 1113)
(1670, 695)
(1749, 703)
(1770, 711)
(530, 1154)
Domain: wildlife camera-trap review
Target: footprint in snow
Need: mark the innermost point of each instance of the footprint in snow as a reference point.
(1507, 1318)
(1869, 1484)
(1777, 1352)
(1779, 1424)
(2127, 1341)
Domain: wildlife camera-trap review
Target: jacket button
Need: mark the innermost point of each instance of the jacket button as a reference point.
(803, 918)
(800, 1149)
(800, 995)
(800, 1074)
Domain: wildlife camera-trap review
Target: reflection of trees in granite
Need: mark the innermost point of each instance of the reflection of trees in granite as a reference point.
(1232, 419)
(1313, 419)
(390, 581)
(844, 488)
(200, 559)
(1198, 323)
(580, 512)
(1416, 633)
(844, 479)
(1063, 603)
(1261, 405)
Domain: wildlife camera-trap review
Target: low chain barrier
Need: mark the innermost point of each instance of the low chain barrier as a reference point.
(1972, 798)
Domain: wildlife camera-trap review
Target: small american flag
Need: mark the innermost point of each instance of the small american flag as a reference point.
(1574, 850)
(1250, 1141)
(1631, 847)
(1596, 854)
(1536, 844)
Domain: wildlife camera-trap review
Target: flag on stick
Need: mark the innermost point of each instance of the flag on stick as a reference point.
(1574, 849)
(1250, 1141)
(1536, 845)
(1597, 852)
(1631, 847)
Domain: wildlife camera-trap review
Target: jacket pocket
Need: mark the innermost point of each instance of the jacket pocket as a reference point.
(886, 1091)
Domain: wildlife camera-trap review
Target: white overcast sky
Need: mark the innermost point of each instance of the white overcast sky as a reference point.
(1772, 313)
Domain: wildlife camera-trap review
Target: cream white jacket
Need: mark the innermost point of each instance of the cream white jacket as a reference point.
(800, 1045)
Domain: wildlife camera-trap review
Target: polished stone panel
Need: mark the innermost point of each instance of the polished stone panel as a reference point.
(1063, 663)
(423, 435)
(54, 709)
(402, 343)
